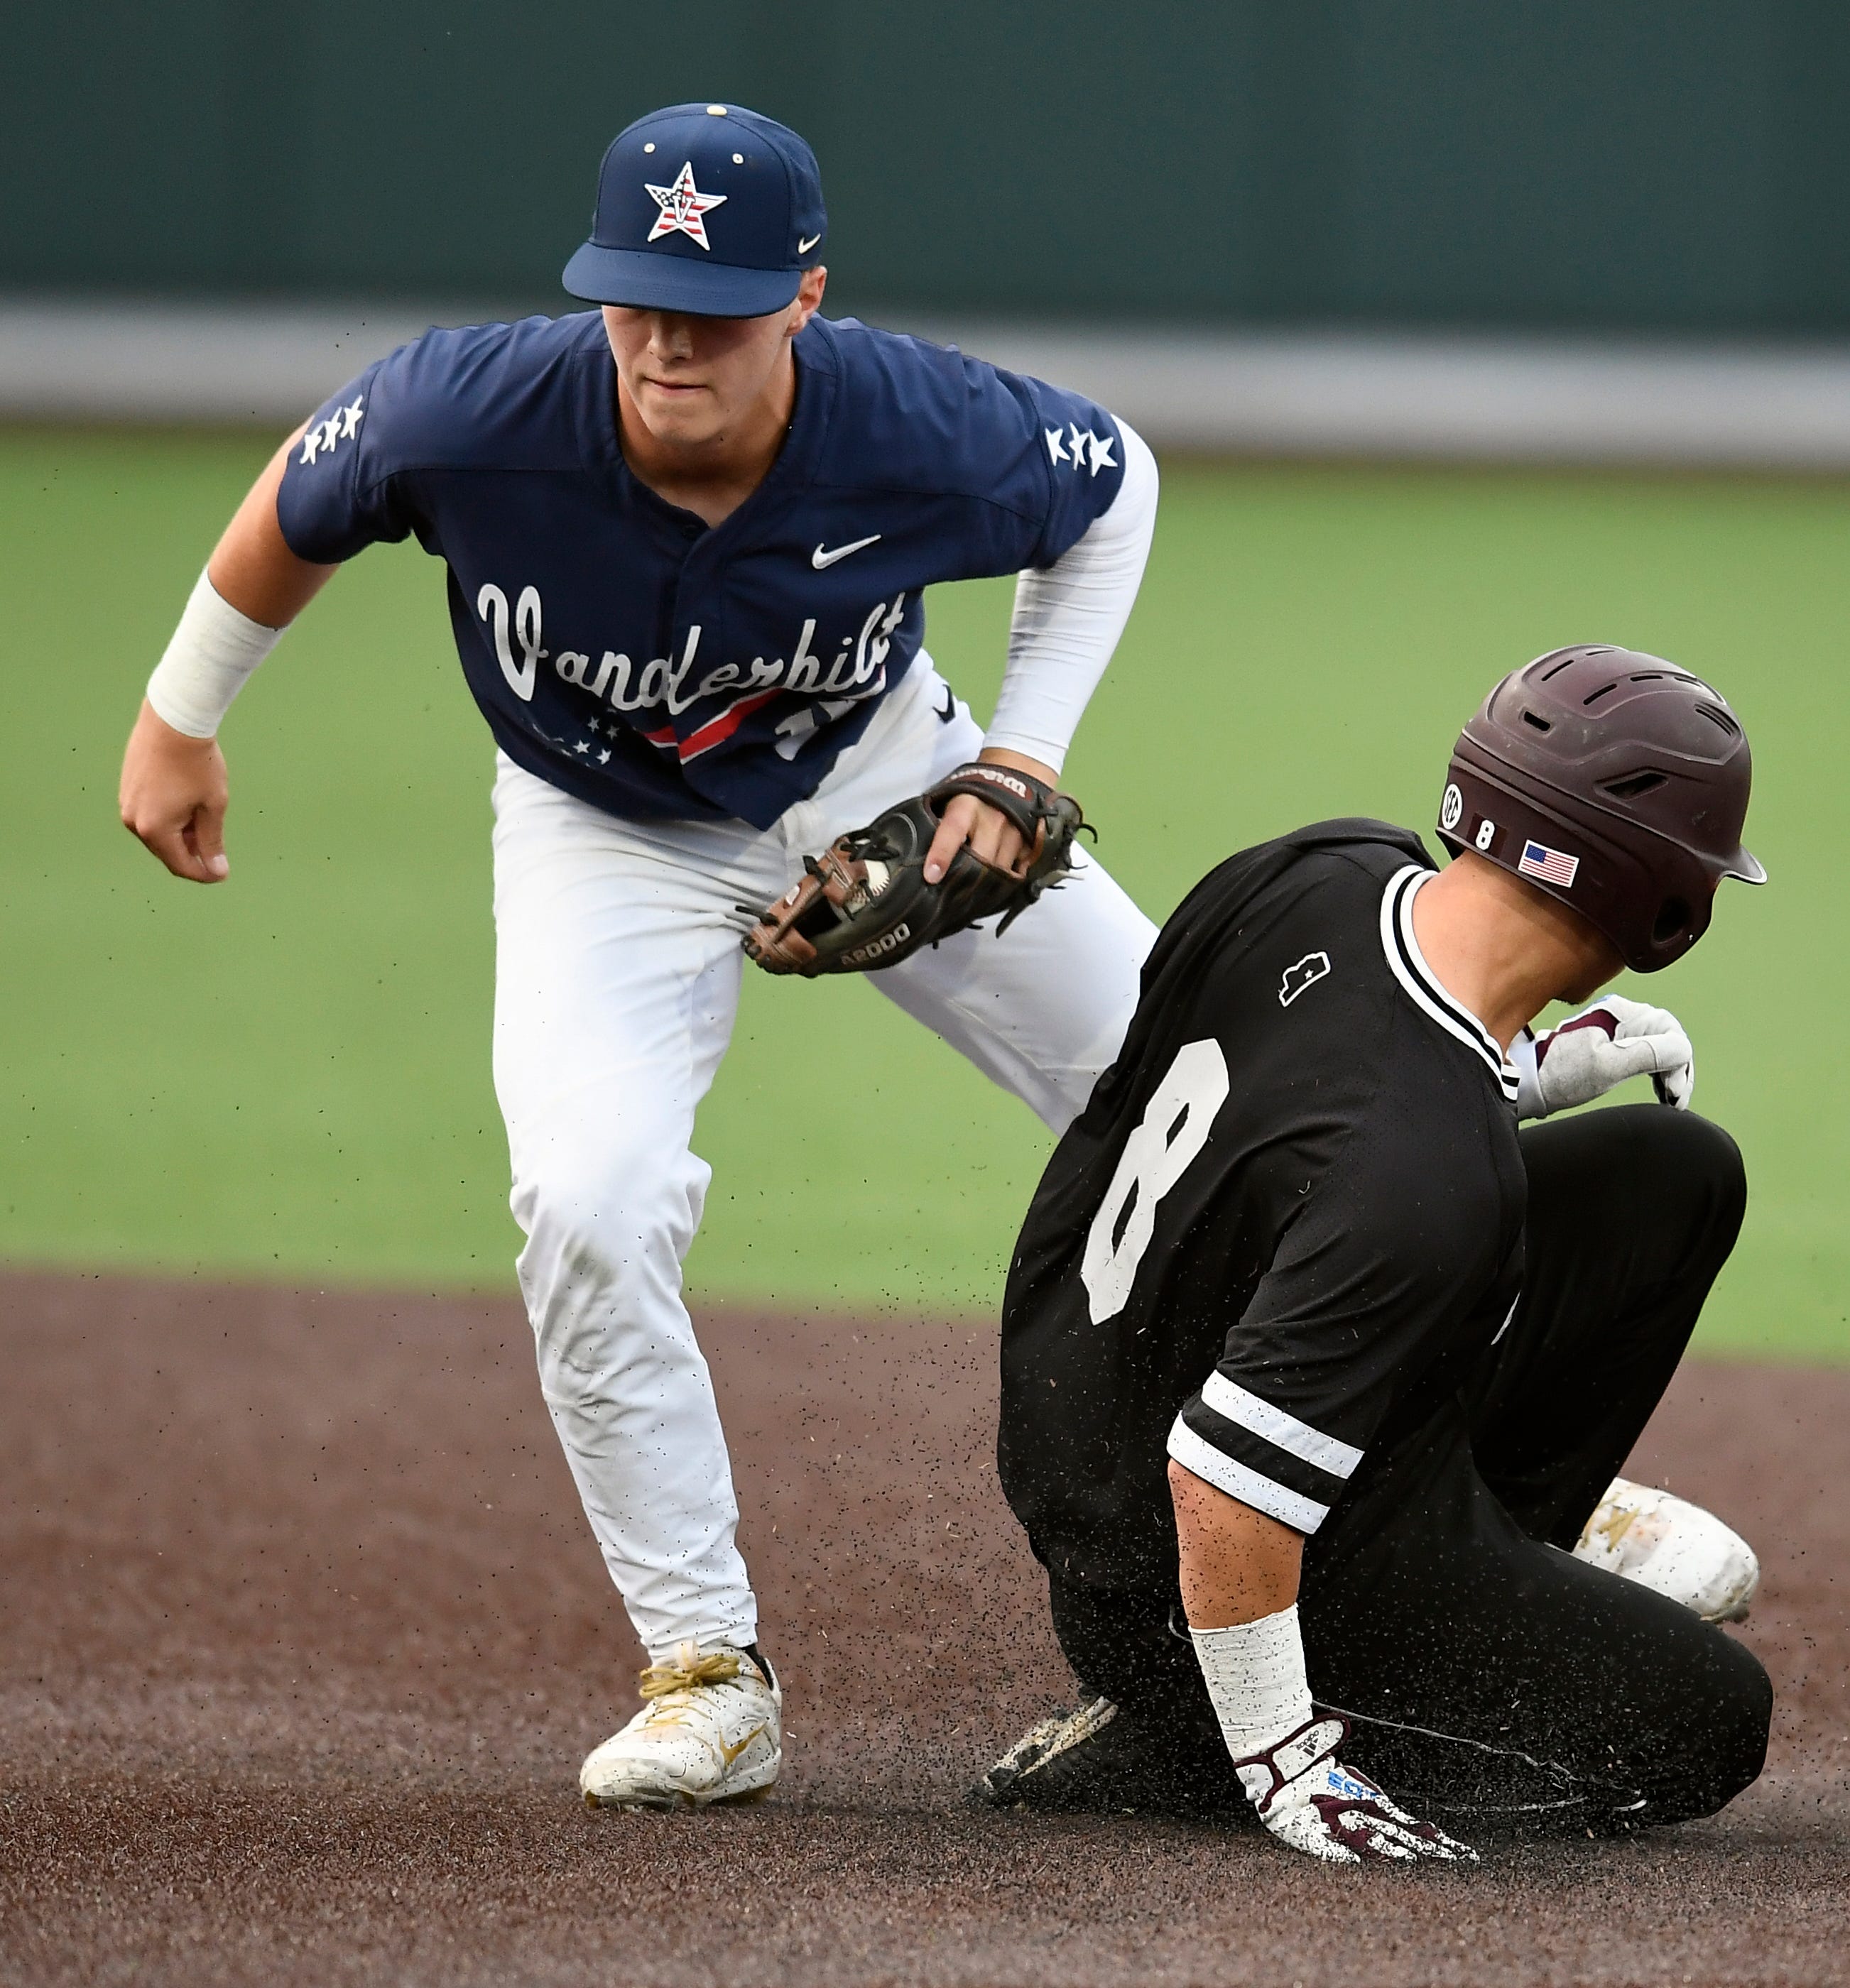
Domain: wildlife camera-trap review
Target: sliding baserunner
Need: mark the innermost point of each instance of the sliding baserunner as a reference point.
(1314, 1371)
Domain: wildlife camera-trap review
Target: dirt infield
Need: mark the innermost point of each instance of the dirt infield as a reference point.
(305, 1636)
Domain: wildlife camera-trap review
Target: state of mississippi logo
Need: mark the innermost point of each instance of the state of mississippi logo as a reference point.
(1313, 967)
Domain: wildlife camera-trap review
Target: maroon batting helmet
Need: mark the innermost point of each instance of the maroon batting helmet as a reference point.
(1616, 782)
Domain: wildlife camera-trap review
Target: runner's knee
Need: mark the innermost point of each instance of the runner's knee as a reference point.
(1709, 1162)
(1123, 1646)
(1670, 1181)
(1722, 1740)
(1695, 1175)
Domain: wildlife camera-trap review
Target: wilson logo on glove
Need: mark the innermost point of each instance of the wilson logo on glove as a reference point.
(1016, 783)
(887, 942)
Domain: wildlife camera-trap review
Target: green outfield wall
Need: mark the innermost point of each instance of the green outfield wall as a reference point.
(1655, 165)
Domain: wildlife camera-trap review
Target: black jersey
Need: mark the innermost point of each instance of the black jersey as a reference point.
(1296, 1198)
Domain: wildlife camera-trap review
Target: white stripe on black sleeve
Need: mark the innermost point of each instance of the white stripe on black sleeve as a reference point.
(1237, 1405)
(1225, 1473)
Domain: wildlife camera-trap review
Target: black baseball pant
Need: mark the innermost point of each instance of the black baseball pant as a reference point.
(1488, 1674)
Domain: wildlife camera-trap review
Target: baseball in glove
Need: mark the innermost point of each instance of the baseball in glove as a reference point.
(864, 904)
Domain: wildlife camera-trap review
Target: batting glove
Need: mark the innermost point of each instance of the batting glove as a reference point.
(1308, 1799)
(1585, 1057)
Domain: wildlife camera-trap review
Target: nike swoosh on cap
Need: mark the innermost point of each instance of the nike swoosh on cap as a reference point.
(803, 247)
(819, 559)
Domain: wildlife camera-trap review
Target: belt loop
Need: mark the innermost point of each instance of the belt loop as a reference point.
(794, 827)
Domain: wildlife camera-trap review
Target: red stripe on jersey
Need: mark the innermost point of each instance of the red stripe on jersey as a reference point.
(717, 730)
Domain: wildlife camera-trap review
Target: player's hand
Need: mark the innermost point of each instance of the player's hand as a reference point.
(988, 830)
(1308, 1799)
(174, 790)
(1614, 1039)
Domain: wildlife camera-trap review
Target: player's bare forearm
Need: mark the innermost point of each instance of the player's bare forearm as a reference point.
(990, 833)
(1237, 1564)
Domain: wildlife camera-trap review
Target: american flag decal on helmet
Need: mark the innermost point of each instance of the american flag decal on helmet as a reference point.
(1548, 866)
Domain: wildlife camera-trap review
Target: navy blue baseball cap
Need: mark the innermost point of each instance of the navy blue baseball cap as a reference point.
(705, 208)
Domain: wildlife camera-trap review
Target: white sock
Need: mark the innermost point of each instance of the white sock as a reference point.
(1254, 1672)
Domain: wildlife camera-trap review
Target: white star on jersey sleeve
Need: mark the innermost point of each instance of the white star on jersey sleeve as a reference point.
(1068, 616)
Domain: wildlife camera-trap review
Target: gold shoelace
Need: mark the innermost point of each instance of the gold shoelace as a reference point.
(688, 1670)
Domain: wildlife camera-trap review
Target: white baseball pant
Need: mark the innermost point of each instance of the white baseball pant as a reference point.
(618, 972)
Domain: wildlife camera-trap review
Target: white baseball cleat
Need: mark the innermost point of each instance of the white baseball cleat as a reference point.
(1672, 1547)
(711, 1729)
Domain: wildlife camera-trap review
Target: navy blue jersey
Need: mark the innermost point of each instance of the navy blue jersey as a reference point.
(618, 646)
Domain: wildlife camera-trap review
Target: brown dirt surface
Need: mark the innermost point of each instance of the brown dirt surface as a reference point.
(305, 1637)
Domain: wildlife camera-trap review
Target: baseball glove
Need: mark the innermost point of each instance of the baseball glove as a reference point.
(864, 903)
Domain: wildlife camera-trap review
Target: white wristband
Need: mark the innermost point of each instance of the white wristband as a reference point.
(213, 652)
(1255, 1674)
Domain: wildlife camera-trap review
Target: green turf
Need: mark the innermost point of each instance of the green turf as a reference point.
(288, 1075)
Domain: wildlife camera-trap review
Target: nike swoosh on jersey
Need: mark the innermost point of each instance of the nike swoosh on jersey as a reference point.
(819, 559)
(803, 248)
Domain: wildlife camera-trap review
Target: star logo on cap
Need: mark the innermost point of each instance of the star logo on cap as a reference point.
(683, 206)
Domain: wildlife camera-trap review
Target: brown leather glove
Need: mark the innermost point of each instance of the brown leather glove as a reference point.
(864, 903)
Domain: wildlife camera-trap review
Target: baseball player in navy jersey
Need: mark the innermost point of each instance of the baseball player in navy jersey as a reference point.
(1315, 1372)
(688, 536)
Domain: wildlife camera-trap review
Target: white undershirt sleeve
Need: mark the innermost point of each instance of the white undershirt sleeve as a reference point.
(1068, 617)
(214, 650)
